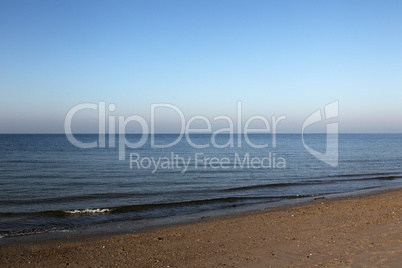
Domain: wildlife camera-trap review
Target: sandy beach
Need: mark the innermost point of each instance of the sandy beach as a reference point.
(354, 231)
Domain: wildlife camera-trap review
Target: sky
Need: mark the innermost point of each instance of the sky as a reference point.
(273, 58)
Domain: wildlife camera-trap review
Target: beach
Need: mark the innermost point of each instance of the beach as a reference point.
(353, 231)
(201, 134)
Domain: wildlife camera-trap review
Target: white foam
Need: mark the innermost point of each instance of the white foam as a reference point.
(88, 211)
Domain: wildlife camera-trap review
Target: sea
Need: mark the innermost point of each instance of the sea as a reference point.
(48, 184)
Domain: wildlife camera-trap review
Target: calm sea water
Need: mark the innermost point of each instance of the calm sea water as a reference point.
(49, 184)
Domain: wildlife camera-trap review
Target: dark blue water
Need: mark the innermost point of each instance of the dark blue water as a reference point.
(47, 183)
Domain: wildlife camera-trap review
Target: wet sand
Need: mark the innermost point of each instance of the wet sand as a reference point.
(355, 231)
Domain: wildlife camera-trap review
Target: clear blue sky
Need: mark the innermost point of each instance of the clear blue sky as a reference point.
(276, 57)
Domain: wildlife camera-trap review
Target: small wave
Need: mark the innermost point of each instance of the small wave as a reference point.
(271, 185)
(22, 232)
(88, 211)
(313, 182)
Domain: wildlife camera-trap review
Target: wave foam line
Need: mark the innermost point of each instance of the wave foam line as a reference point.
(88, 211)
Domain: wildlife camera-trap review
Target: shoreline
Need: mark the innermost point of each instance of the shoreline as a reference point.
(360, 229)
(135, 226)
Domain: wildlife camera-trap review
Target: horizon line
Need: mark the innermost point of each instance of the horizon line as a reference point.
(178, 133)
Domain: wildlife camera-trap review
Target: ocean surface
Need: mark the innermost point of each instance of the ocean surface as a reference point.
(48, 184)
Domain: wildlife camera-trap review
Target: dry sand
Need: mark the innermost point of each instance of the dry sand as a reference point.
(364, 231)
